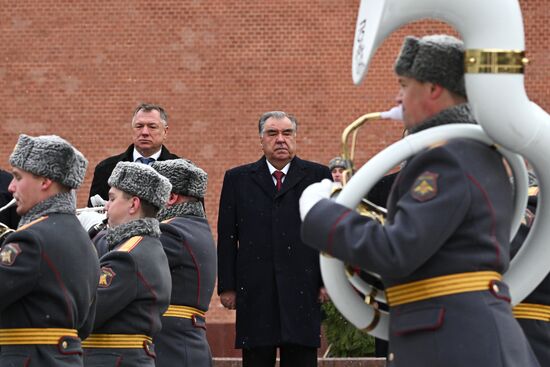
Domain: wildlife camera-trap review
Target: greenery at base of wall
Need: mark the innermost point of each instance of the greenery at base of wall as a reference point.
(344, 339)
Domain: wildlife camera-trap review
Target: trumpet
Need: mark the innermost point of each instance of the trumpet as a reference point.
(8, 205)
(97, 209)
(366, 207)
(4, 229)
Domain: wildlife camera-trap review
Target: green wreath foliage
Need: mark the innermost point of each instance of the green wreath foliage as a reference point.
(344, 339)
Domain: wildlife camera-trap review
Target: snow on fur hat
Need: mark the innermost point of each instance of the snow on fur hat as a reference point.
(50, 156)
(186, 178)
(338, 162)
(436, 59)
(142, 181)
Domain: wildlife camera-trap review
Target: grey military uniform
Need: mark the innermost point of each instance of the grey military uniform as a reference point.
(49, 272)
(189, 245)
(449, 212)
(533, 313)
(134, 291)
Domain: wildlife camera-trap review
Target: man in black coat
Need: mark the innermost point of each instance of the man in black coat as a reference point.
(265, 272)
(445, 243)
(149, 131)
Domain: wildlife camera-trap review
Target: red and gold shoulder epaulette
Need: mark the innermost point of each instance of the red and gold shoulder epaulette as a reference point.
(32, 223)
(129, 245)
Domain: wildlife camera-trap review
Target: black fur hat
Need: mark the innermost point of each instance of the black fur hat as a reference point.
(50, 156)
(437, 59)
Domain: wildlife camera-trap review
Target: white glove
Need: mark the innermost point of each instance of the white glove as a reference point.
(88, 219)
(97, 200)
(313, 194)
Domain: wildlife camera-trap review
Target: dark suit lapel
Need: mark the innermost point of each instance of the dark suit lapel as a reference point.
(260, 174)
(164, 154)
(296, 173)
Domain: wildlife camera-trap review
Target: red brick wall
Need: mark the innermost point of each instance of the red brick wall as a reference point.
(78, 68)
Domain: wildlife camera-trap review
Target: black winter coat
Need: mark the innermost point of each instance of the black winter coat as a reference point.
(103, 170)
(262, 258)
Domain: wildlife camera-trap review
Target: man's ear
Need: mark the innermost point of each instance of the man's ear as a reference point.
(136, 205)
(46, 183)
(172, 199)
(436, 90)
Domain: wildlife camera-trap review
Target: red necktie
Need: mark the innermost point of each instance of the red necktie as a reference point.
(279, 177)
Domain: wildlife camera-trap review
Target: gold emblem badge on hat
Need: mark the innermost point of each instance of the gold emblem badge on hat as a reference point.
(106, 277)
(425, 186)
(9, 253)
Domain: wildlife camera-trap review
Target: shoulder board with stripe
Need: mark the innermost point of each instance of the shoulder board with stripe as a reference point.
(32, 223)
(130, 244)
(168, 220)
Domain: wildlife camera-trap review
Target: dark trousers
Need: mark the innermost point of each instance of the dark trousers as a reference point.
(290, 356)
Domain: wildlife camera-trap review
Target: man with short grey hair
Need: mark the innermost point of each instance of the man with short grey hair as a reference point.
(264, 270)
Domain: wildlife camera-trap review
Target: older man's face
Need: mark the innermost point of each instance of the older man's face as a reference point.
(149, 132)
(279, 141)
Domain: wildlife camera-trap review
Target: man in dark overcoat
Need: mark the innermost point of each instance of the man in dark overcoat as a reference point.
(445, 243)
(149, 132)
(265, 272)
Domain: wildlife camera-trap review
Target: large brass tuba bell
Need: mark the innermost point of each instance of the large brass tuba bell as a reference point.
(366, 207)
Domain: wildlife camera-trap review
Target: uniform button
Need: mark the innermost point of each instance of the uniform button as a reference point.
(64, 345)
(391, 357)
(495, 288)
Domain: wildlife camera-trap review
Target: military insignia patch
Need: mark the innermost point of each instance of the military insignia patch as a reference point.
(425, 186)
(9, 253)
(106, 277)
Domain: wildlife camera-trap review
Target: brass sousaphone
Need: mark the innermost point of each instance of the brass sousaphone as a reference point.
(493, 35)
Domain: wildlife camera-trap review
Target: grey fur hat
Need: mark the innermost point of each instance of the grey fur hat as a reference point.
(142, 181)
(338, 162)
(50, 156)
(186, 178)
(437, 59)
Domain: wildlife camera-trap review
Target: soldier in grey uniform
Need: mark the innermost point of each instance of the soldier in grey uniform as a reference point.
(134, 286)
(445, 244)
(189, 245)
(533, 313)
(48, 267)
